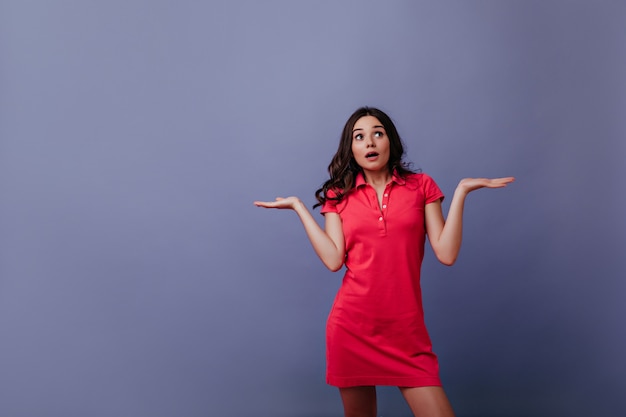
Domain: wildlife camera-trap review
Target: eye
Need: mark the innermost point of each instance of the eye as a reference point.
(378, 134)
(358, 137)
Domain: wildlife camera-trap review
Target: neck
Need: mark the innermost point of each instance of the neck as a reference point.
(377, 177)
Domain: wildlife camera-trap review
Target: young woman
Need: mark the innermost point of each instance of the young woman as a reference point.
(377, 214)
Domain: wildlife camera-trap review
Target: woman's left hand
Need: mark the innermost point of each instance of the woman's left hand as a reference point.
(471, 184)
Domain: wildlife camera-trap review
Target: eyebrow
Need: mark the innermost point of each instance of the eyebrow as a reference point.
(375, 127)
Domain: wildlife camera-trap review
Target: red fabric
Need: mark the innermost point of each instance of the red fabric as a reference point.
(375, 334)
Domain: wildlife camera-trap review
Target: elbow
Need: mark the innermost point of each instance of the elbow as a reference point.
(334, 261)
(446, 254)
(335, 266)
(447, 260)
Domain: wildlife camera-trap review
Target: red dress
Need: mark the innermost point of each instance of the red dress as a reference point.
(375, 334)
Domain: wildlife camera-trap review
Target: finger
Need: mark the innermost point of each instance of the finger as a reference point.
(504, 179)
(268, 203)
(495, 184)
(499, 182)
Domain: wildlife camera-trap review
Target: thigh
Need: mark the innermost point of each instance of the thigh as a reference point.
(359, 401)
(427, 401)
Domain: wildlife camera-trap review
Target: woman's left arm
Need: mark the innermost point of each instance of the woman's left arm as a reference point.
(445, 235)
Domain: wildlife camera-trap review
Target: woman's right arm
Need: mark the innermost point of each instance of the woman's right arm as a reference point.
(328, 243)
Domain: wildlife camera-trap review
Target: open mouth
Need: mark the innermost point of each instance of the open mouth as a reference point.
(371, 155)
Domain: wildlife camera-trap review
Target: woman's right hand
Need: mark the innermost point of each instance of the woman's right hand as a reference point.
(328, 242)
(280, 203)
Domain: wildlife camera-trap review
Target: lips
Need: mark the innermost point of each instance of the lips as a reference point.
(371, 155)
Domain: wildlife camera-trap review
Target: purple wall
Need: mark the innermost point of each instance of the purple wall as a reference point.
(137, 278)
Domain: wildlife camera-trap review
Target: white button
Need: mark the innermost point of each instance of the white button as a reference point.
(386, 195)
(384, 205)
(380, 219)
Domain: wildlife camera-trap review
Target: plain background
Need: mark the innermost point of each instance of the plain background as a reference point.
(137, 278)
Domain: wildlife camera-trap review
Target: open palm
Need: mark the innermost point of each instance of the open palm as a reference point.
(279, 203)
(471, 184)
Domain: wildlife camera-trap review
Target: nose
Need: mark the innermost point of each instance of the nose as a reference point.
(370, 141)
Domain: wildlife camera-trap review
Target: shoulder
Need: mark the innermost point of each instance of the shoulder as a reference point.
(335, 201)
(418, 180)
(425, 185)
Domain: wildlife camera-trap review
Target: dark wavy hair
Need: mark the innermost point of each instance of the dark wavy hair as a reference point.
(343, 168)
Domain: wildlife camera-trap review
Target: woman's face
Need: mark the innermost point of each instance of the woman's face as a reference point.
(370, 144)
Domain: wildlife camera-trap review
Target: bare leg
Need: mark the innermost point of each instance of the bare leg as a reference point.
(428, 401)
(359, 401)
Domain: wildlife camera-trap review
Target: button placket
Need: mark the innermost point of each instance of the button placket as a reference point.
(385, 201)
(383, 210)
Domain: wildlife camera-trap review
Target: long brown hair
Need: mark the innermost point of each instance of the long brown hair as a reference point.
(343, 168)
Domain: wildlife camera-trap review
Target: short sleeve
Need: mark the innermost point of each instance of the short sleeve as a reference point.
(330, 206)
(432, 192)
